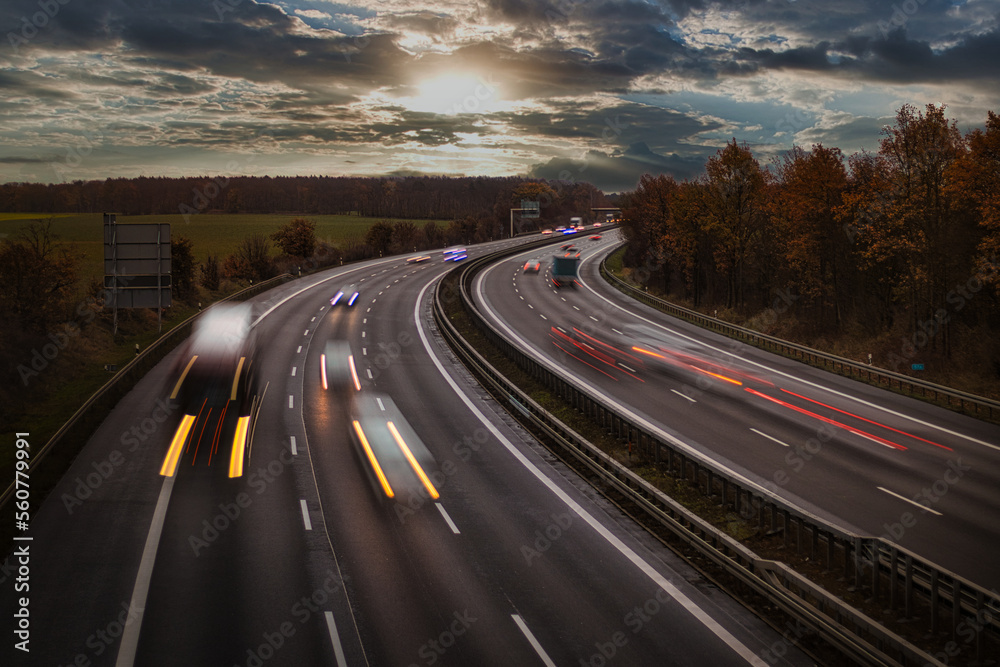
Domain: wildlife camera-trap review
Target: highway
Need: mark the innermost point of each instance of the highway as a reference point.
(302, 559)
(863, 458)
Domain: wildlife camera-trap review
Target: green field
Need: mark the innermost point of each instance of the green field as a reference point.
(212, 234)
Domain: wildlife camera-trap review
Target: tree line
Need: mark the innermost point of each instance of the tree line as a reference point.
(421, 197)
(908, 236)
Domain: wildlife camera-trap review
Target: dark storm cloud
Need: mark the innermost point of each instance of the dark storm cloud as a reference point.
(619, 125)
(619, 172)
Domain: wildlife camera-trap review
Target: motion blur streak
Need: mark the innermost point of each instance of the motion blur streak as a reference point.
(239, 445)
(915, 437)
(180, 380)
(413, 461)
(322, 370)
(354, 372)
(236, 378)
(721, 377)
(374, 461)
(169, 466)
(852, 429)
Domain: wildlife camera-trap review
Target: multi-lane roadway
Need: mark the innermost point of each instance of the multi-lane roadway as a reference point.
(302, 559)
(866, 459)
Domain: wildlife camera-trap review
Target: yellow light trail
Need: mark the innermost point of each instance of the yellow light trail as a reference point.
(169, 466)
(413, 462)
(180, 381)
(716, 375)
(322, 370)
(236, 379)
(239, 445)
(374, 461)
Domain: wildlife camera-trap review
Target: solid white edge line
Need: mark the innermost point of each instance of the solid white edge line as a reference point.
(305, 514)
(912, 502)
(622, 548)
(683, 396)
(447, 518)
(140, 591)
(531, 640)
(770, 437)
(338, 649)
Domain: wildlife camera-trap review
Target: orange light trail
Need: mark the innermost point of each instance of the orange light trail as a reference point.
(169, 467)
(374, 461)
(413, 462)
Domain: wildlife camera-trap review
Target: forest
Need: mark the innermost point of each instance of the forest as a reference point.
(423, 197)
(901, 245)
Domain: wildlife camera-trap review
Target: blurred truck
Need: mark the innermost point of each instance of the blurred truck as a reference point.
(564, 269)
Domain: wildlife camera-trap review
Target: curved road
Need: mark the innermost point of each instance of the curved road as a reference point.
(866, 459)
(302, 560)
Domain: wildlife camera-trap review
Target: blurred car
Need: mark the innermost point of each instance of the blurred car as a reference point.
(597, 224)
(533, 266)
(337, 371)
(399, 465)
(455, 254)
(418, 259)
(546, 231)
(567, 246)
(595, 237)
(347, 295)
(560, 229)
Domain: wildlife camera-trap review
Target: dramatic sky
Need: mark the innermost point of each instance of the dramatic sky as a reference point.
(575, 89)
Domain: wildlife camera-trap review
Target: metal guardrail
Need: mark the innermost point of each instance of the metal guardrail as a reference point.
(889, 574)
(79, 427)
(972, 404)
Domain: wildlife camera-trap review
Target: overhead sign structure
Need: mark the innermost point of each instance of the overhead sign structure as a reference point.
(136, 265)
(530, 209)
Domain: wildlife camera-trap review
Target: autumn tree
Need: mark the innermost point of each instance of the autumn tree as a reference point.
(737, 214)
(297, 238)
(38, 274)
(808, 196)
(182, 267)
(251, 261)
(975, 179)
(646, 224)
(211, 276)
(404, 236)
(379, 237)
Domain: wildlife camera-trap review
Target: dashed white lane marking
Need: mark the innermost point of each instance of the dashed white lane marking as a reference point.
(531, 640)
(912, 502)
(295, 450)
(305, 515)
(447, 519)
(683, 396)
(770, 437)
